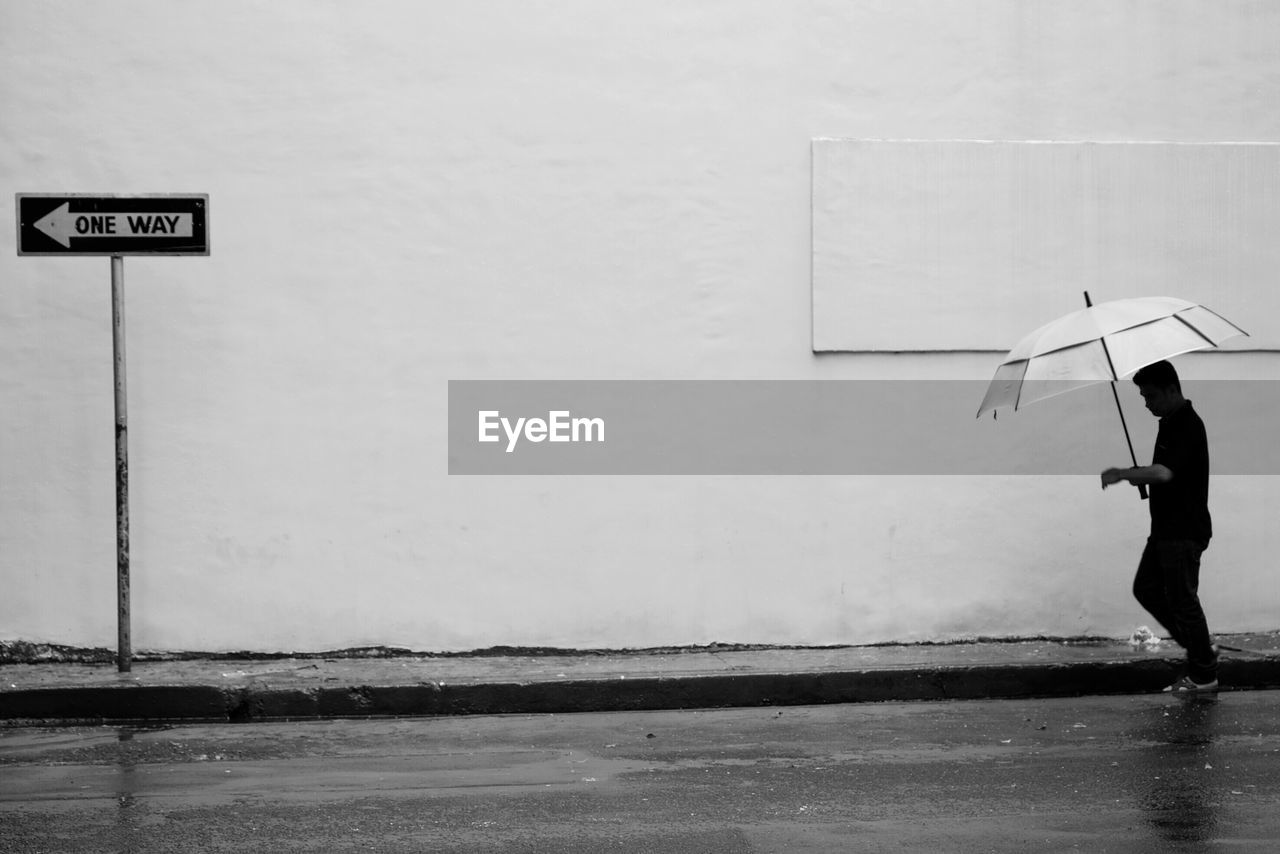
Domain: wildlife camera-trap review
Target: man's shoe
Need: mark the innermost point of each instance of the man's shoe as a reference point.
(1186, 685)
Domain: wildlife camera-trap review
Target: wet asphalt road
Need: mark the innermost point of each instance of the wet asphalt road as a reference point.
(1125, 774)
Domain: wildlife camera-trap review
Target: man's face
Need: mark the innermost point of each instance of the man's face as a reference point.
(1160, 401)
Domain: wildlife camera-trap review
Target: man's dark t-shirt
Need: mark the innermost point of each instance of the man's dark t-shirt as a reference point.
(1180, 508)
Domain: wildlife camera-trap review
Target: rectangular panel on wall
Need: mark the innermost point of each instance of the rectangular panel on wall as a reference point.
(966, 245)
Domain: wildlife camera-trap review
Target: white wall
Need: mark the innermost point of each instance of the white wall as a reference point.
(404, 193)
(948, 245)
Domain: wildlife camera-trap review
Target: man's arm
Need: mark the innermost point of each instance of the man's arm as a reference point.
(1138, 475)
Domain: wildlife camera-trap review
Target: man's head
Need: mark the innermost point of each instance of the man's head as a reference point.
(1158, 384)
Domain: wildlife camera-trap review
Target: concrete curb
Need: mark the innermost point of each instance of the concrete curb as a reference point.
(263, 702)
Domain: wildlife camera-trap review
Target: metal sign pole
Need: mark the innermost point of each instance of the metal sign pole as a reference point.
(124, 651)
(115, 225)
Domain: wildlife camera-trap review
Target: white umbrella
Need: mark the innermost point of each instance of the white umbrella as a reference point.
(1103, 343)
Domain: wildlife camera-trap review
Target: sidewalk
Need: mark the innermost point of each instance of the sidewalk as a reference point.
(217, 689)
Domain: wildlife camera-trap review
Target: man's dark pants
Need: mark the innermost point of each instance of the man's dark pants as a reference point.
(1167, 585)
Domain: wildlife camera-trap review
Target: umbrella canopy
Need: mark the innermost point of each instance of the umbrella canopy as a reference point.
(1102, 343)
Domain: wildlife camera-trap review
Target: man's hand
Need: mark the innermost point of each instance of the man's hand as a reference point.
(1111, 477)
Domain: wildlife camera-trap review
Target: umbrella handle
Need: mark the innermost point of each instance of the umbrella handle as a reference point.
(1142, 487)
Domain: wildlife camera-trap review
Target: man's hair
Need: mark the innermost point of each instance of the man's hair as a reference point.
(1160, 374)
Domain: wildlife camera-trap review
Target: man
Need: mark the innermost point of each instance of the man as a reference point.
(1168, 576)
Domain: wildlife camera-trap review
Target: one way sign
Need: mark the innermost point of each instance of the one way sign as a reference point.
(81, 224)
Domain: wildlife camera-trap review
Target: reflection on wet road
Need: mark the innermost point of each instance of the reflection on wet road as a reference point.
(1175, 782)
(1131, 774)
